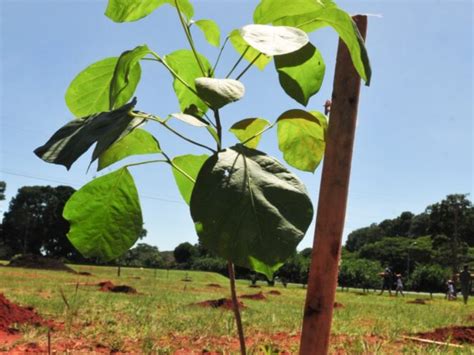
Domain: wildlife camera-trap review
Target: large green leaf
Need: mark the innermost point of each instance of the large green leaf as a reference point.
(77, 136)
(247, 128)
(125, 76)
(274, 40)
(188, 169)
(301, 138)
(89, 92)
(133, 10)
(268, 11)
(343, 24)
(211, 31)
(184, 64)
(219, 92)
(248, 208)
(137, 142)
(249, 53)
(301, 73)
(105, 216)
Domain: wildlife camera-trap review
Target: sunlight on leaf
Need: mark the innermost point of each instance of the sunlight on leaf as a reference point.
(249, 209)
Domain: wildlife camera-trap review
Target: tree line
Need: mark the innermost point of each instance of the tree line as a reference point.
(426, 248)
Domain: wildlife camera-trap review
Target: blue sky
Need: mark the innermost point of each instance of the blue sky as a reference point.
(414, 140)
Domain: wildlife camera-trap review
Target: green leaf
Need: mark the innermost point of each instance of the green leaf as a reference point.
(184, 64)
(267, 11)
(190, 165)
(89, 92)
(137, 142)
(247, 128)
(189, 119)
(247, 51)
(211, 31)
(125, 76)
(301, 138)
(301, 73)
(105, 216)
(76, 137)
(274, 40)
(133, 10)
(248, 208)
(343, 24)
(219, 92)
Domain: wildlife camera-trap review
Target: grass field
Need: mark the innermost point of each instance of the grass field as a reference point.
(161, 318)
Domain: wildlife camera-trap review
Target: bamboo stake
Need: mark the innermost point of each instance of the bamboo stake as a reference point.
(434, 342)
(322, 280)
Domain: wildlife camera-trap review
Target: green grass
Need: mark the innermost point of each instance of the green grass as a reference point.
(161, 318)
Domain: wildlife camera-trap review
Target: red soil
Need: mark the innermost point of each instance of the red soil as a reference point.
(84, 273)
(417, 301)
(254, 296)
(225, 303)
(107, 286)
(338, 305)
(214, 285)
(274, 292)
(454, 334)
(11, 314)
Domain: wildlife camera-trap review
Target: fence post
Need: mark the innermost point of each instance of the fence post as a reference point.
(322, 280)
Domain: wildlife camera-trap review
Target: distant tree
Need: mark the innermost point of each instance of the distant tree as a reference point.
(429, 278)
(184, 252)
(452, 218)
(360, 237)
(291, 269)
(143, 255)
(34, 223)
(211, 264)
(398, 252)
(359, 273)
(420, 225)
(306, 253)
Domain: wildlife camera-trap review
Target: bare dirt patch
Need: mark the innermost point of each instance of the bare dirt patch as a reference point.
(12, 314)
(224, 303)
(254, 296)
(108, 286)
(274, 292)
(30, 261)
(338, 305)
(453, 334)
(418, 301)
(214, 285)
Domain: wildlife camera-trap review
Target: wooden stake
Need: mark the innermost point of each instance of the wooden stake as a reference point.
(322, 280)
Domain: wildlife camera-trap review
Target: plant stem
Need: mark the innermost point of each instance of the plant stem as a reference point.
(235, 304)
(259, 133)
(159, 59)
(218, 128)
(163, 123)
(238, 62)
(248, 66)
(189, 37)
(219, 56)
(186, 175)
(146, 162)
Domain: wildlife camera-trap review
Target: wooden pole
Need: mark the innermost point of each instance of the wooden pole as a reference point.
(322, 280)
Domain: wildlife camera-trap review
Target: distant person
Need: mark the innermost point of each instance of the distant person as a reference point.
(451, 292)
(399, 285)
(387, 281)
(466, 283)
